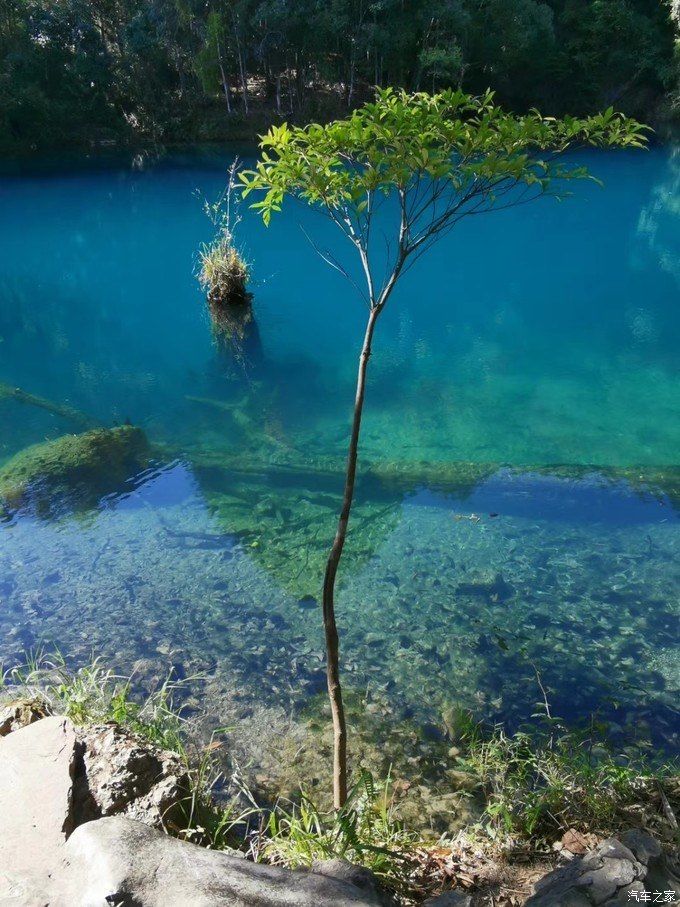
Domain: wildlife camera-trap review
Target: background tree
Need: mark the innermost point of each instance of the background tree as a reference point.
(74, 72)
(212, 64)
(428, 161)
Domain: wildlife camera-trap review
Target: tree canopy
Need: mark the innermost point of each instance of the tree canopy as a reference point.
(442, 157)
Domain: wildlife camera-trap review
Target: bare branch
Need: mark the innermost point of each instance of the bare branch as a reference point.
(335, 264)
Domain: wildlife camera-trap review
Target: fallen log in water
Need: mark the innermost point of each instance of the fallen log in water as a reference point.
(83, 422)
(456, 477)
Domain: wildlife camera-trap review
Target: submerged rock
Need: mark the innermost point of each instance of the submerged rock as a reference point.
(86, 466)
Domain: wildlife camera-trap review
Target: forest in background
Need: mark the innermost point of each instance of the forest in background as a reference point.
(88, 72)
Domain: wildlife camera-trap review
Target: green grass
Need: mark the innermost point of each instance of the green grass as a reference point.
(95, 694)
(365, 831)
(532, 786)
(537, 785)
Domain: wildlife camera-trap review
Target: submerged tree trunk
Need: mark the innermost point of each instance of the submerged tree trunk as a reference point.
(85, 423)
(330, 627)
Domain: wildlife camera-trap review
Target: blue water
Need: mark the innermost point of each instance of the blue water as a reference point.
(540, 345)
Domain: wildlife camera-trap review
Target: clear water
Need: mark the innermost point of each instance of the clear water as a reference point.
(518, 507)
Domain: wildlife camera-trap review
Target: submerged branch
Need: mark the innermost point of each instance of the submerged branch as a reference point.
(7, 392)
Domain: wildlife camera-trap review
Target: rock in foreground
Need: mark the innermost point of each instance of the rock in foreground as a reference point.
(37, 764)
(624, 871)
(120, 861)
(67, 838)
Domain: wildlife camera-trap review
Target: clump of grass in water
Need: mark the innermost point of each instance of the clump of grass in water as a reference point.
(223, 271)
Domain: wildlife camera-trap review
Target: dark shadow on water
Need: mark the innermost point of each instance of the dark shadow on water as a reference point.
(594, 498)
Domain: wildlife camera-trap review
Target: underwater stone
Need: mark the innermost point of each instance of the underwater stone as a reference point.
(307, 602)
(90, 464)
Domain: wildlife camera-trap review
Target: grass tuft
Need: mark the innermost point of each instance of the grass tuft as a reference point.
(538, 785)
(94, 694)
(365, 831)
(223, 271)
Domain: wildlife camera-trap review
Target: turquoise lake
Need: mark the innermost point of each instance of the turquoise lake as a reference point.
(518, 510)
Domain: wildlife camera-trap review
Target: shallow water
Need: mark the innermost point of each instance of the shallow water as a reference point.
(518, 511)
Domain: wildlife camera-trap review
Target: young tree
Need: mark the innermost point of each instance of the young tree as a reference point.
(429, 161)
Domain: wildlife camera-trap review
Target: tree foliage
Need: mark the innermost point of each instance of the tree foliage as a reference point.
(438, 158)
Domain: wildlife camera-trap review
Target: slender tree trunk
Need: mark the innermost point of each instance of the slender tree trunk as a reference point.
(244, 82)
(352, 71)
(241, 67)
(225, 83)
(299, 80)
(330, 627)
(290, 86)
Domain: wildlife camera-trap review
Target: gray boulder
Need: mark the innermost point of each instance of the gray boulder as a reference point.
(610, 874)
(449, 899)
(37, 765)
(120, 775)
(344, 871)
(123, 862)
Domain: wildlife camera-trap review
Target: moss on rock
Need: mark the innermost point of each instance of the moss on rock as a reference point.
(83, 466)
